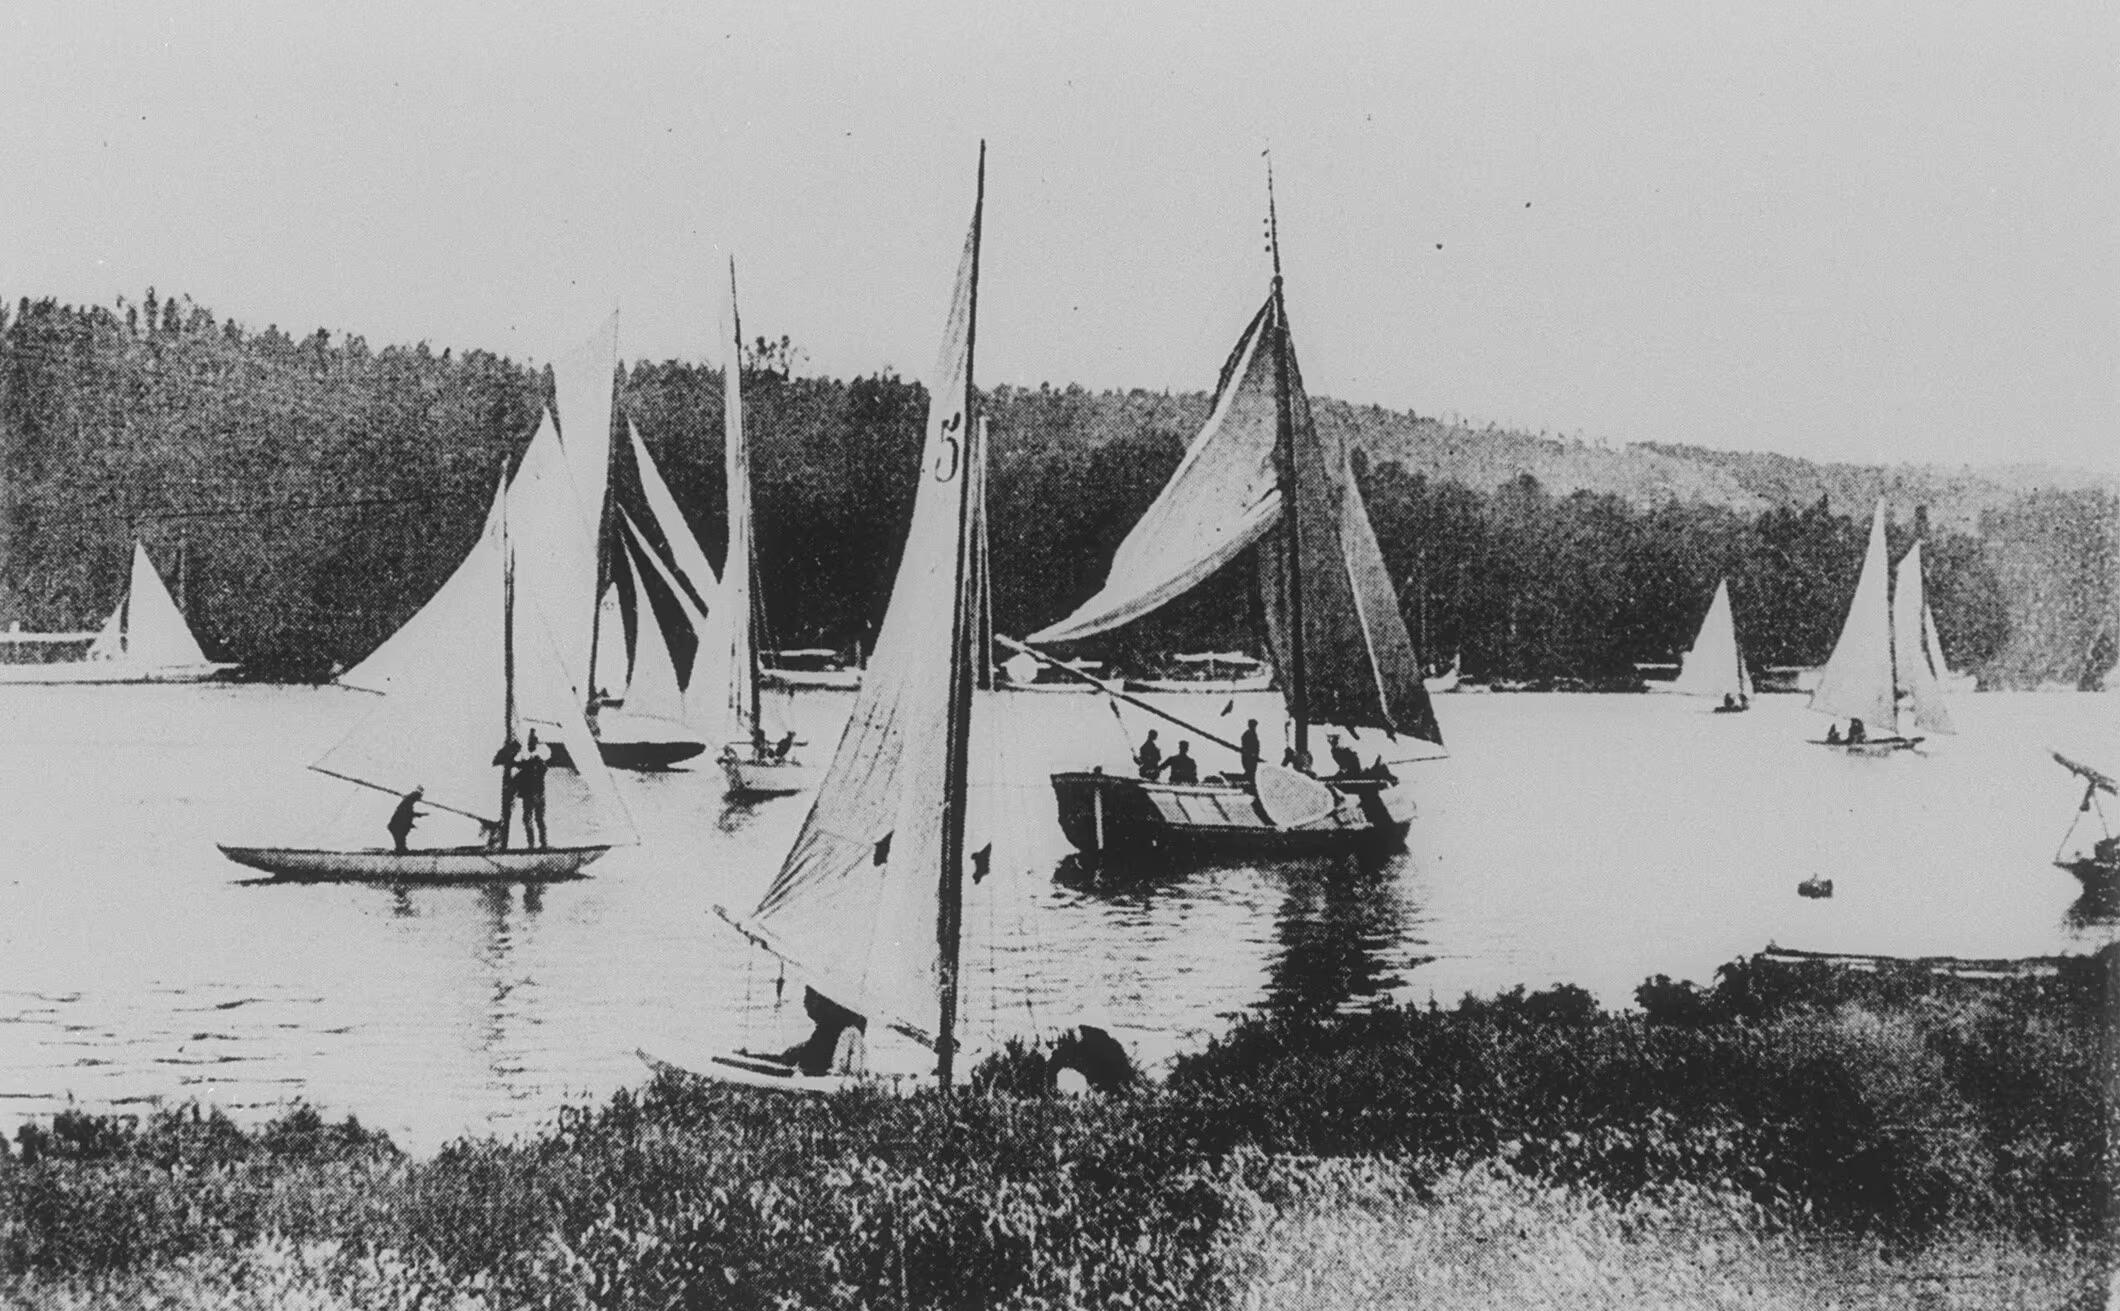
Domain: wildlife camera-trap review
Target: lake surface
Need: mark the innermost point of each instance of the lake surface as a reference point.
(1595, 840)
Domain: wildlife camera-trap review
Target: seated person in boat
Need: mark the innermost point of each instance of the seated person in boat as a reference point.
(783, 747)
(1832, 735)
(1183, 769)
(761, 754)
(401, 819)
(1248, 749)
(530, 769)
(1729, 701)
(1294, 759)
(1345, 763)
(1857, 735)
(835, 1043)
(1150, 756)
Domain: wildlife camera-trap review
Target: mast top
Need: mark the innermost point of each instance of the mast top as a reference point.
(1273, 222)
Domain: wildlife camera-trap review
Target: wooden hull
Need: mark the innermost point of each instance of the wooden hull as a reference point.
(748, 778)
(108, 671)
(1108, 814)
(435, 865)
(747, 1071)
(647, 754)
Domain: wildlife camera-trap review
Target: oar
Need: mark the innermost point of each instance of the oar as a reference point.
(431, 805)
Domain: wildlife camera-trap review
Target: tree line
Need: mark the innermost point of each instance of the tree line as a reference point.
(304, 495)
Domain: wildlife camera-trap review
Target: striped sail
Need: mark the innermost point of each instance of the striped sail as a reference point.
(858, 902)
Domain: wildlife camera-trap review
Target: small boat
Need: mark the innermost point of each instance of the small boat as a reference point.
(1262, 476)
(479, 670)
(814, 667)
(2099, 868)
(1878, 673)
(1715, 666)
(868, 904)
(1221, 673)
(1815, 887)
(145, 640)
(758, 759)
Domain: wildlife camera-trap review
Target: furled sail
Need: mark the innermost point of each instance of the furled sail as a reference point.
(1910, 662)
(1713, 667)
(155, 631)
(1856, 682)
(857, 901)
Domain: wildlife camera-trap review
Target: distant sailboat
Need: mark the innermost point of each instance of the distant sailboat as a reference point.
(478, 667)
(1261, 476)
(1878, 664)
(1715, 666)
(868, 904)
(757, 761)
(145, 640)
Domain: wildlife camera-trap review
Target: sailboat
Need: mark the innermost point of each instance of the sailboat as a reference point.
(1932, 649)
(753, 756)
(1715, 666)
(145, 640)
(2099, 868)
(1878, 673)
(477, 667)
(1260, 476)
(868, 904)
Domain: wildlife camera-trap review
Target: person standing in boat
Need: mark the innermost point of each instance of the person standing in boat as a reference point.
(1248, 750)
(1344, 759)
(530, 769)
(505, 759)
(1150, 756)
(403, 818)
(829, 1049)
(1183, 769)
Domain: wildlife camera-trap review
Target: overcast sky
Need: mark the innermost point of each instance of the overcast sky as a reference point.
(1841, 230)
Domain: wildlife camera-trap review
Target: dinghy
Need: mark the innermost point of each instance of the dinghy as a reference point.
(1878, 674)
(867, 906)
(1218, 673)
(2098, 869)
(145, 640)
(1262, 477)
(1715, 666)
(479, 669)
(753, 757)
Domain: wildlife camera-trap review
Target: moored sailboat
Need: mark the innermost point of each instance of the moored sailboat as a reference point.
(1715, 665)
(1261, 477)
(145, 640)
(480, 670)
(868, 904)
(2098, 868)
(1878, 675)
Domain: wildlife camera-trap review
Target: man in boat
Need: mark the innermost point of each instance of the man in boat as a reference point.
(497, 838)
(1183, 769)
(402, 819)
(761, 754)
(783, 747)
(1857, 735)
(530, 769)
(820, 1053)
(1248, 750)
(1344, 760)
(1832, 735)
(1150, 756)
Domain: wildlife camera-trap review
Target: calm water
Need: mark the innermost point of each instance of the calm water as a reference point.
(1593, 840)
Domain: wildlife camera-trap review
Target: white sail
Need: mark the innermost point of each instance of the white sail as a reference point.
(613, 668)
(110, 639)
(725, 686)
(1910, 662)
(1856, 682)
(441, 720)
(430, 634)
(856, 902)
(1713, 667)
(582, 390)
(691, 562)
(155, 631)
(1224, 496)
(653, 692)
(552, 529)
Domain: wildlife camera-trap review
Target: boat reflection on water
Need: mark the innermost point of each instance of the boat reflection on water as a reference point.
(1341, 937)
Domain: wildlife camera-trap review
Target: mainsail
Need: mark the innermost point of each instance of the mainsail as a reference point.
(1339, 643)
(865, 902)
(660, 608)
(728, 663)
(1715, 667)
(1856, 682)
(1910, 662)
(1932, 646)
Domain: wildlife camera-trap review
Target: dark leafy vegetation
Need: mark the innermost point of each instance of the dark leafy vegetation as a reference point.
(1904, 1107)
(305, 494)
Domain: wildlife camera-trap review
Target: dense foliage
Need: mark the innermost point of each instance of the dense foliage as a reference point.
(1900, 1105)
(304, 495)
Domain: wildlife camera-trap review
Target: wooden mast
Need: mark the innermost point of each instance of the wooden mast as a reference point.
(604, 533)
(950, 910)
(740, 485)
(1285, 458)
(508, 664)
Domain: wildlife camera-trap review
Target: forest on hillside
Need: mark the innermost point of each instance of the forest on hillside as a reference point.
(303, 496)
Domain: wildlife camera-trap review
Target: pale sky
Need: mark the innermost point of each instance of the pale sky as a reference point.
(1859, 231)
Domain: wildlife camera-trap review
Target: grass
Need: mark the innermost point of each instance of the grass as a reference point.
(1783, 1137)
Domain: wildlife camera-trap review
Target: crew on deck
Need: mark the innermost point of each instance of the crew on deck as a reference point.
(1150, 756)
(1182, 768)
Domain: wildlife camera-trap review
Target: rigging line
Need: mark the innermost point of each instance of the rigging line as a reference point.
(1111, 690)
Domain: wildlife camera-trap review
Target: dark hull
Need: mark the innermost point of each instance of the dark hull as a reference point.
(2100, 878)
(647, 755)
(1876, 746)
(1104, 814)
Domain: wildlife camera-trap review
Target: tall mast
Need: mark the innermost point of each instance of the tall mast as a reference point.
(1285, 457)
(738, 464)
(950, 910)
(604, 534)
(507, 654)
